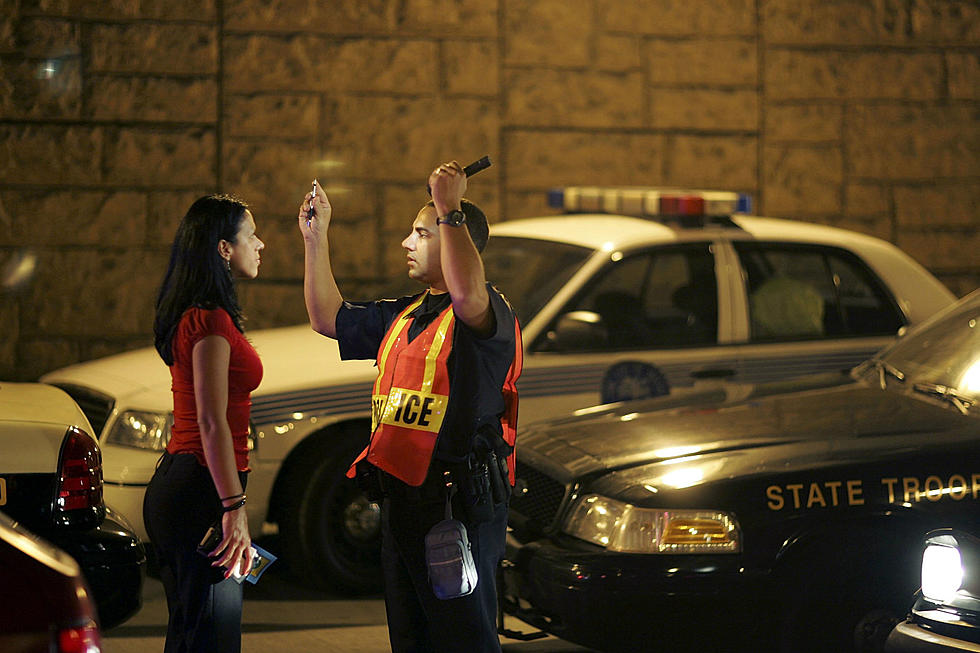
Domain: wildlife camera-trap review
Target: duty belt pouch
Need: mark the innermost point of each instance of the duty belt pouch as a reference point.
(452, 572)
(477, 494)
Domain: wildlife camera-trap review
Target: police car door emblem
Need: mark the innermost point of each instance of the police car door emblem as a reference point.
(629, 380)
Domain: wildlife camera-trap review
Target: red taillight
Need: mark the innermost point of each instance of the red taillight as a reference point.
(79, 473)
(84, 639)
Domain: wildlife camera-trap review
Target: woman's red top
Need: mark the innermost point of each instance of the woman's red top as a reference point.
(244, 375)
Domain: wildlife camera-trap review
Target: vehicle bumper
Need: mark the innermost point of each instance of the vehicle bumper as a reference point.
(613, 601)
(113, 562)
(910, 637)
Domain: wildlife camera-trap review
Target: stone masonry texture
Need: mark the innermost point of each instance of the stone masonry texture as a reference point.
(115, 116)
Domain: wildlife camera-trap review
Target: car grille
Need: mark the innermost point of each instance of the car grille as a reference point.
(541, 499)
(96, 406)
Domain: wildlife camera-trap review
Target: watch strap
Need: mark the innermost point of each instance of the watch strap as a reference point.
(454, 218)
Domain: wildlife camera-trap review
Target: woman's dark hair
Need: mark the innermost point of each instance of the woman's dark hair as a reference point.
(197, 274)
(476, 222)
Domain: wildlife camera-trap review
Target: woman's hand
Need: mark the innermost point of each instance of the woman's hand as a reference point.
(236, 546)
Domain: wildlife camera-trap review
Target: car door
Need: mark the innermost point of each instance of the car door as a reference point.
(806, 309)
(645, 324)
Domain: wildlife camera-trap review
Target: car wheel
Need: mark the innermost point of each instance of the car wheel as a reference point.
(331, 533)
(847, 603)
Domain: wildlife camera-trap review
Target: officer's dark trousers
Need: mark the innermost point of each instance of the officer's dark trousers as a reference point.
(205, 610)
(417, 620)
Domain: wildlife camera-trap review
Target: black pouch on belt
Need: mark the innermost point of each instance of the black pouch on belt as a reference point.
(499, 478)
(477, 496)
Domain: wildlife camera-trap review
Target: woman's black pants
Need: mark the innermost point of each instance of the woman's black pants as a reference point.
(205, 609)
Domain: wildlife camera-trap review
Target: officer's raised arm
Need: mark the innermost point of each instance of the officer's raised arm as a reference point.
(462, 267)
(320, 290)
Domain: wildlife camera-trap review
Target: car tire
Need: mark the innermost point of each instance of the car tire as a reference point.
(848, 603)
(330, 533)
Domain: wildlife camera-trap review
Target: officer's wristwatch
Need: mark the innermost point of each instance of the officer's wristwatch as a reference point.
(454, 218)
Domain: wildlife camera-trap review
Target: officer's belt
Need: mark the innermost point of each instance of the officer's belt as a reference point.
(432, 488)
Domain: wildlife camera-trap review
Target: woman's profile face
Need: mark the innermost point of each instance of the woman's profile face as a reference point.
(245, 259)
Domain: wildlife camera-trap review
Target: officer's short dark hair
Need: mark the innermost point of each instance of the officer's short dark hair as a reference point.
(476, 223)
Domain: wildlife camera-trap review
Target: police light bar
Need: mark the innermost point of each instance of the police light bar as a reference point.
(649, 202)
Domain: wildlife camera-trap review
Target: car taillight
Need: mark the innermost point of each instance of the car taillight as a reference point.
(84, 639)
(79, 476)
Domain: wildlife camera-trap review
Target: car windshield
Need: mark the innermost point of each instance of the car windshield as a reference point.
(941, 359)
(529, 271)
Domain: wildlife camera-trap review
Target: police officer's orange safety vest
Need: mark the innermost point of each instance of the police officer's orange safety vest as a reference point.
(411, 394)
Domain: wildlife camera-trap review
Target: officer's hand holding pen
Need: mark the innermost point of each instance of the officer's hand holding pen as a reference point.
(314, 214)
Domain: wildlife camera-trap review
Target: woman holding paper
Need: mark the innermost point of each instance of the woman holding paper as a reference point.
(200, 479)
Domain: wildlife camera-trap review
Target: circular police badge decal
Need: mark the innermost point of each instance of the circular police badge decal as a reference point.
(630, 380)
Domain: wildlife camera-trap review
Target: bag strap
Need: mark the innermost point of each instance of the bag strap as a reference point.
(450, 490)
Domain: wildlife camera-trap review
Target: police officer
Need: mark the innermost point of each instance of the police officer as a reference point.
(444, 402)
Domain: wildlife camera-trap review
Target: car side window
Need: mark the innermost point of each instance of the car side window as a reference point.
(659, 298)
(800, 292)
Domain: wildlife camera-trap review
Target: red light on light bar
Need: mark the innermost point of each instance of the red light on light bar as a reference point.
(681, 205)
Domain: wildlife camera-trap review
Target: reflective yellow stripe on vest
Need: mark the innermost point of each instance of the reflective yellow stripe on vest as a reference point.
(420, 409)
(378, 397)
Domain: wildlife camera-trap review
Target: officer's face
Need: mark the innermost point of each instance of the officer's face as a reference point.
(422, 246)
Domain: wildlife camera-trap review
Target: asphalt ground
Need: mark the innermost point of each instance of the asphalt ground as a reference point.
(280, 614)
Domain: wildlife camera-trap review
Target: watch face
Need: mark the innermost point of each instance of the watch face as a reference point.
(453, 219)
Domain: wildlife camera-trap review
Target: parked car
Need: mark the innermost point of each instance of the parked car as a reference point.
(49, 607)
(51, 483)
(946, 614)
(665, 292)
(789, 511)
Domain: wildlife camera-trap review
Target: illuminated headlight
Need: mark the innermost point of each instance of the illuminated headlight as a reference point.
(141, 430)
(942, 572)
(624, 527)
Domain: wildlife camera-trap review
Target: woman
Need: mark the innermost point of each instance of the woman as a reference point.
(201, 476)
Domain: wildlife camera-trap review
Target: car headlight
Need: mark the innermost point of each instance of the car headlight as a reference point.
(142, 430)
(942, 572)
(623, 527)
(951, 569)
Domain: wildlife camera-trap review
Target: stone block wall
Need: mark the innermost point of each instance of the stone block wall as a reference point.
(114, 116)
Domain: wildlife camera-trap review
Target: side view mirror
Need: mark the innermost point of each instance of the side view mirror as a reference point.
(577, 330)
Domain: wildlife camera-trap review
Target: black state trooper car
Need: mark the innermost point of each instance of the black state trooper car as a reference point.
(781, 516)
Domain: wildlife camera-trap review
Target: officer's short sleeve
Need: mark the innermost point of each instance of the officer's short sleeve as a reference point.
(361, 326)
(500, 342)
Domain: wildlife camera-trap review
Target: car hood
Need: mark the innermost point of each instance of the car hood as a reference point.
(293, 357)
(734, 431)
(33, 421)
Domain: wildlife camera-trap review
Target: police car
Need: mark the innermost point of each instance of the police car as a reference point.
(782, 516)
(635, 292)
(51, 483)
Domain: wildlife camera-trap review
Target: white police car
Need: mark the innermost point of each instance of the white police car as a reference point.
(641, 292)
(51, 483)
